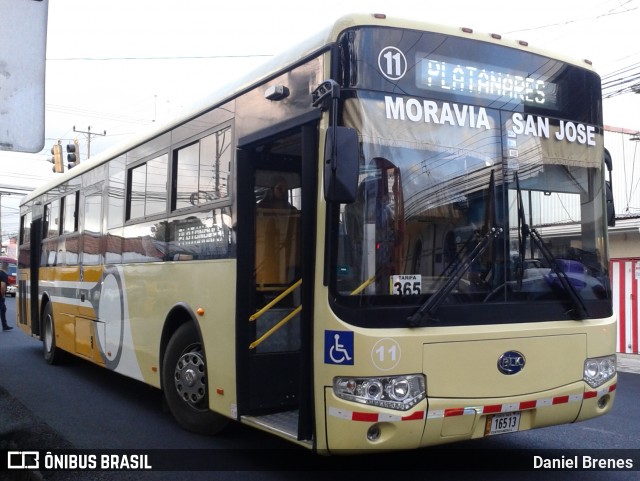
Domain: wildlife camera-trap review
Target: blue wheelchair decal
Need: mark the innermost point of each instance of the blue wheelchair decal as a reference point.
(338, 347)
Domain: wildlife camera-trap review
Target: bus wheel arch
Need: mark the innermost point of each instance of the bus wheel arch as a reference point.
(184, 376)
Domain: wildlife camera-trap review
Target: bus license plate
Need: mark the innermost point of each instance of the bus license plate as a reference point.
(502, 423)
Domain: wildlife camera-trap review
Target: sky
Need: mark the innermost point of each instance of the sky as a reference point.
(124, 66)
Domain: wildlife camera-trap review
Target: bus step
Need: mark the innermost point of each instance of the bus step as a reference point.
(284, 423)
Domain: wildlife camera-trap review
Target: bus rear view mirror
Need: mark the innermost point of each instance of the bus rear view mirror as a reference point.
(611, 208)
(341, 165)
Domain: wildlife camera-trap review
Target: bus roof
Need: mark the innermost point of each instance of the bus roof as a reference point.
(281, 62)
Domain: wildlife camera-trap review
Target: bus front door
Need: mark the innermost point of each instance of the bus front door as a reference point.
(273, 325)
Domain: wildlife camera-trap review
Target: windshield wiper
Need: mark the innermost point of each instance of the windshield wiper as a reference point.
(424, 314)
(579, 306)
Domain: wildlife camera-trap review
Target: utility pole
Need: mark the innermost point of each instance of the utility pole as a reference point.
(88, 133)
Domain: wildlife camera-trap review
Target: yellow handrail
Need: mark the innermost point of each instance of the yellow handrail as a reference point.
(363, 286)
(258, 341)
(276, 300)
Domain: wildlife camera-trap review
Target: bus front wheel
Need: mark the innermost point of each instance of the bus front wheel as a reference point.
(184, 381)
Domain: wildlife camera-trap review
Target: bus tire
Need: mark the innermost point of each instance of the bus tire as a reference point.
(184, 381)
(52, 354)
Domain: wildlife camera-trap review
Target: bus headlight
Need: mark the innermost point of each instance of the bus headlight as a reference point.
(393, 392)
(598, 370)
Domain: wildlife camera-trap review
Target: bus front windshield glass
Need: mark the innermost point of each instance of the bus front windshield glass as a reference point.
(462, 207)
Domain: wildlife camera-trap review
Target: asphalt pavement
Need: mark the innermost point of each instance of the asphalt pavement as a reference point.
(19, 427)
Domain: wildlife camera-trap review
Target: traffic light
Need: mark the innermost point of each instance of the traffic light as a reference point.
(73, 154)
(56, 160)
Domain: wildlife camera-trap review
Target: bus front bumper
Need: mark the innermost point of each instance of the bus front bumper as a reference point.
(353, 427)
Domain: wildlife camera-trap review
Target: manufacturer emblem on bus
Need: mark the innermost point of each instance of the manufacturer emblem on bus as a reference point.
(511, 362)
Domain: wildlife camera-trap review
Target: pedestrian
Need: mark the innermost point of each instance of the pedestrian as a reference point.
(4, 280)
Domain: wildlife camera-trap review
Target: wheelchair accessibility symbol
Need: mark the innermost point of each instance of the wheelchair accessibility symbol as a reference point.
(338, 347)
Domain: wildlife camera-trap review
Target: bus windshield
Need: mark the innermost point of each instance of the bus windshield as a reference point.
(479, 185)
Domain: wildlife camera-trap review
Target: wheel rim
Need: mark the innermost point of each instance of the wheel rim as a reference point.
(190, 377)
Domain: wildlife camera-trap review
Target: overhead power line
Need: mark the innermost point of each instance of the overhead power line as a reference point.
(94, 113)
(178, 57)
(613, 11)
(622, 81)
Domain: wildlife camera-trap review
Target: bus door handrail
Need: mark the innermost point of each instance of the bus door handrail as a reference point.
(363, 286)
(282, 322)
(267, 334)
(280, 296)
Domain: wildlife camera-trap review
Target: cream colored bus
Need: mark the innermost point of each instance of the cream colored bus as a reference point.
(391, 237)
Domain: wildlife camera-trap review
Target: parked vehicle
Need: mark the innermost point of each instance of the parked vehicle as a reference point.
(11, 272)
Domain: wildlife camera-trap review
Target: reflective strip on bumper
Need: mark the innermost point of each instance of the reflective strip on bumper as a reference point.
(373, 417)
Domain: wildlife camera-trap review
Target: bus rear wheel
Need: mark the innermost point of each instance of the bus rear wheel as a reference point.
(52, 354)
(184, 381)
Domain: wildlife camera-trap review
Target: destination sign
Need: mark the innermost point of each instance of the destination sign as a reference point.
(452, 76)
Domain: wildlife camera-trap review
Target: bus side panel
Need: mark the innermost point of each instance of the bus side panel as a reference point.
(149, 294)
